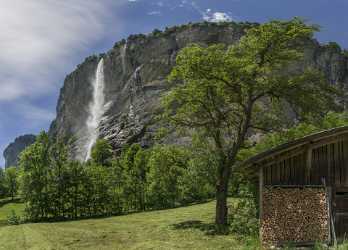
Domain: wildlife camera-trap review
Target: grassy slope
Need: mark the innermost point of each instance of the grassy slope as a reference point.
(6, 210)
(181, 228)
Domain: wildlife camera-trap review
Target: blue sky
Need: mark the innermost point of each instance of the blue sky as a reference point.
(43, 40)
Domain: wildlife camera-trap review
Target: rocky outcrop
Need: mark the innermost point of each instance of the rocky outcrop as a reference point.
(13, 150)
(135, 78)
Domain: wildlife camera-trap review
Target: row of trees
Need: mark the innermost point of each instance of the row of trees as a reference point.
(56, 188)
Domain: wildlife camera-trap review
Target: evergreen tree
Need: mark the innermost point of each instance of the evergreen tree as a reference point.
(102, 152)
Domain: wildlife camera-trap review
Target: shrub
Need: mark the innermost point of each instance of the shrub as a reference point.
(243, 217)
(13, 218)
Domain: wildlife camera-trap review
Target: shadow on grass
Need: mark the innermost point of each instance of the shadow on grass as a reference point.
(207, 228)
(3, 223)
(4, 202)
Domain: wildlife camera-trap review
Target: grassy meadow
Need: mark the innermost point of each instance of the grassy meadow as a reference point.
(6, 210)
(180, 228)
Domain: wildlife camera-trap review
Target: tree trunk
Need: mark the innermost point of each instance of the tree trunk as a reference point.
(223, 177)
(221, 202)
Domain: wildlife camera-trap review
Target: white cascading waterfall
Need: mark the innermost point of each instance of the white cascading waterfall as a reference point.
(123, 56)
(96, 109)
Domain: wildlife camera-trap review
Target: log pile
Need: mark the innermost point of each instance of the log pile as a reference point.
(294, 215)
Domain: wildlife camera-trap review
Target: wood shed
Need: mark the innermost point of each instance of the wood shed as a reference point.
(303, 188)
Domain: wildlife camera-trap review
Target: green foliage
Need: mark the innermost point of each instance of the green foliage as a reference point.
(56, 188)
(166, 166)
(13, 218)
(243, 218)
(133, 165)
(102, 152)
(334, 46)
(10, 181)
(97, 198)
(156, 32)
(3, 188)
(223, 94)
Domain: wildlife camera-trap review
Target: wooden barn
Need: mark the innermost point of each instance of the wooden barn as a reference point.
(303, 187)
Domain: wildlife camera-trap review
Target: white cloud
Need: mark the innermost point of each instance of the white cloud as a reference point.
(39, 37)
(208, 14)
(216, 16)
(154, 13)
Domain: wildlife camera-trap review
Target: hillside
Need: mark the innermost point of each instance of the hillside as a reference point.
(180, 228)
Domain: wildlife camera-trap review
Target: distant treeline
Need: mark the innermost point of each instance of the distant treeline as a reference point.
(56, 188)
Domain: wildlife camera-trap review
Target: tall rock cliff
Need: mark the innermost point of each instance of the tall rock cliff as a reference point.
(13, 150)
(135, 73)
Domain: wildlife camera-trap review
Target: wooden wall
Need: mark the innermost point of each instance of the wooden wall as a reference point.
(329, 161)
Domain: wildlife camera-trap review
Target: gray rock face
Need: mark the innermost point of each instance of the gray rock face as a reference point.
(135, 78)
(12, 151)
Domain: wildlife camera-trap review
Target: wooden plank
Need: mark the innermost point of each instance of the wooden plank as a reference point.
(285, 156)
(297, 170)
(345, 162)
(339, 162)
(314, 170)
(309, 163)
(342, 164)
(295, 186)
(326, 141)
(329, 166)
(284, 179)
(302, 169)
(321, 173)
(260, 202)
(297, 166)
(325, 164)
(341, 189)
(265, 173)
(271, 174)
(332, 233)
(281, 171)
(336, 164)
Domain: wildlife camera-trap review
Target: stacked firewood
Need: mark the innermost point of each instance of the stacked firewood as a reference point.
(294, 215)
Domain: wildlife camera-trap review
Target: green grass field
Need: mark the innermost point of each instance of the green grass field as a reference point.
(7, 209)
(180, 228)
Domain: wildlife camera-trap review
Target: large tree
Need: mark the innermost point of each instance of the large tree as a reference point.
(225, 94)
(11, 182)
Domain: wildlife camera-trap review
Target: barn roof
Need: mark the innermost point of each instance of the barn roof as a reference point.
(307, 140)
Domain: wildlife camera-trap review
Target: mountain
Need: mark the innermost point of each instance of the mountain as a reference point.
(134, 77)
(12, 151)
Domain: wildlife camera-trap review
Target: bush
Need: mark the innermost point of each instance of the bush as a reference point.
(13, 218)
(243, 217)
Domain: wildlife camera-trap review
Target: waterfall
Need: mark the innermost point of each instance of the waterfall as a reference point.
(123, 56)
(96, 109)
